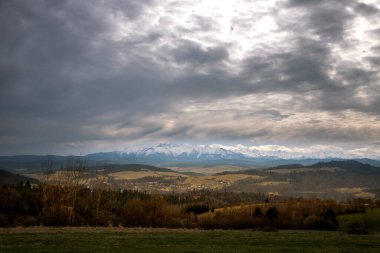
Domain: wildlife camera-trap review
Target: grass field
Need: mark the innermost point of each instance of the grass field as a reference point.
(371, 218)
(163, 240)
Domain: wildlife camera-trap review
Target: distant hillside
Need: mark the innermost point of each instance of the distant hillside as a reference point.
(349, 166)
(10, 178)
(35, 162)
(328, 179)
(375, 163)
(333, 179)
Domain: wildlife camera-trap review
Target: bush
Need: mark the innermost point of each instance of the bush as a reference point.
(311, 222)
(197, 209)
(29, 221)
(4, 220)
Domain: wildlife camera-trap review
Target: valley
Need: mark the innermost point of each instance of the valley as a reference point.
(335, 179)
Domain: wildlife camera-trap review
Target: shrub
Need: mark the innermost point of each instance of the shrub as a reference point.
(311, 222)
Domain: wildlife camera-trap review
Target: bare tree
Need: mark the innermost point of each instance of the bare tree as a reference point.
(74, 179)
(60, 188)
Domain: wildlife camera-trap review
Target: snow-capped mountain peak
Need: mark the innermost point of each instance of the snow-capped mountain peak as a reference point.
(219, 151)
(185, 150)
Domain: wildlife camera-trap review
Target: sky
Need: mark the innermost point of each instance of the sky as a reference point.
(86, 76)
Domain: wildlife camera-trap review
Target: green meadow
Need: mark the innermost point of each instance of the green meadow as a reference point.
(40, 239)
(370, 220)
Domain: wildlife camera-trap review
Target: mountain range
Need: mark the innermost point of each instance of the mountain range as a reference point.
(238, 151)
(185, 155)
(262, 156)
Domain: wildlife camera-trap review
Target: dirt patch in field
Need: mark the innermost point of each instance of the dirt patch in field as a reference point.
(218, 181)
(358, 192)
(210, 170)
(273, 183)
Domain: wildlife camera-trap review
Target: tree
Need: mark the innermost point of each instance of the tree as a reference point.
(257, 213)
(59, 191)
(74, 180)
(329, 220)
(271, 213)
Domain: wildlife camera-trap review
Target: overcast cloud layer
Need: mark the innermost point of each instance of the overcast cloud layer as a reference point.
(84, 76)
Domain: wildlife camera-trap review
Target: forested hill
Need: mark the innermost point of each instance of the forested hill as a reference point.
(350, 165)
(10, 178)
(347, 165)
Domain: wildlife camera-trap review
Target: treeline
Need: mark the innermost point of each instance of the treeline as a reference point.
(75, 205)
(60, 205)
(309, 214)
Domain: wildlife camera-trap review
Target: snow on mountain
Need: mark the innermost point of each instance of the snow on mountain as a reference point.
(184, 150)
(218, 151)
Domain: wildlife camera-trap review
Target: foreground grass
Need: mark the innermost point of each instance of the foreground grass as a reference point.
(371, 219)
(162, 240)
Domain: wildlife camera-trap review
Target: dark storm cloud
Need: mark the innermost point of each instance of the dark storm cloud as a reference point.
(87, 71)
(306, 67)
(366, 9)
(193, 53)
(60, 72)
(210, 86)
(302, 3)
(131, 9)
(303, 69)
(327, 19)
(374, 61)
(329, 24)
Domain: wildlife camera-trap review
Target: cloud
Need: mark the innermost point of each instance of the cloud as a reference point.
(323, 16)
(90, 75)
(366, 9)
(196, 55)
